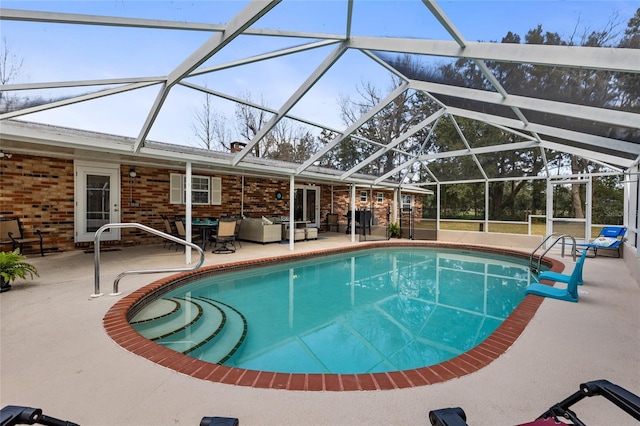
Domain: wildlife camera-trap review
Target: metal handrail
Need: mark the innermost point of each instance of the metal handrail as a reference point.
(560, 236)
(140, 271)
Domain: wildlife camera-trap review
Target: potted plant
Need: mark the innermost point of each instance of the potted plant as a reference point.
(12, 267)
(394, 230)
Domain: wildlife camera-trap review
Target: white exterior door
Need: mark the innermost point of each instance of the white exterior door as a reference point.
(97, 196)
(307, 204)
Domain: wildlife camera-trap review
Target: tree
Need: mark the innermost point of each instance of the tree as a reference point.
(285, 142)
(585, 87)
(290, 143)
(210, 127)
(249, 121)
(10, 68)
(577, 86)
(393, 120)
(608, 200)
(628, 85)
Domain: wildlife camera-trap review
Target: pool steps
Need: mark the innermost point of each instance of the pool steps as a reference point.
(163, 326)
(229, 341)
(194, 326)
(207, 324)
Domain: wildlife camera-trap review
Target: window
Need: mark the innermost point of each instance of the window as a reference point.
(199, 190)
(204, 190)
(407, 202)
(363, 196)
(380, 197)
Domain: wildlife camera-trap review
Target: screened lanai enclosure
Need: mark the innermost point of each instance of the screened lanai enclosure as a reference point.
(505, 119)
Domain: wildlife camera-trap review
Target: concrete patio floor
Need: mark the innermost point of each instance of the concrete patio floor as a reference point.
(55, 355)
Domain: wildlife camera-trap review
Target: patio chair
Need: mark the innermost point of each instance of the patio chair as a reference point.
(11, 232)
(332, 220)
(564, 278)
(169, 229)
(569, 294)
(610, 238)
(225, 235)
(622, 398)
(182, 233)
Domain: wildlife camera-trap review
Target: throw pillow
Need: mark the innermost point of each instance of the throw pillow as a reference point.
(604, 241)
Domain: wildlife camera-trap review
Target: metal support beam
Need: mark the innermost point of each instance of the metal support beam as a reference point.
(596, 58)
(74, 100)
(583, 138)
(247, 16)
(583, 112)
(403, 137)
(293, 99)
(353, 127)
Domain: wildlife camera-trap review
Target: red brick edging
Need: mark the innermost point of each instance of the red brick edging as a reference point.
(118, 328)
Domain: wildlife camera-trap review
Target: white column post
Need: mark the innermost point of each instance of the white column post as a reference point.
(187, 218)
(438, 206)
(353, 213)
(292, 224)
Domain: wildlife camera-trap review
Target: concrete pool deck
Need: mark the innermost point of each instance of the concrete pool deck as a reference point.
(56, 355)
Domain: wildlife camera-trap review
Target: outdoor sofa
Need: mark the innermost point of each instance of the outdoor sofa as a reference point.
(260, 230)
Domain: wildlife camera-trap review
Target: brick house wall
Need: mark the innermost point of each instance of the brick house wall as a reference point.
(40, 191)
(341, 204)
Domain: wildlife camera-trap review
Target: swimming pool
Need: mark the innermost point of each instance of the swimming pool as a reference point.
(399, 302)
(371, 311)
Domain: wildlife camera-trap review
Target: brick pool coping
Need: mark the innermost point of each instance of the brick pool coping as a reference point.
(116, 324)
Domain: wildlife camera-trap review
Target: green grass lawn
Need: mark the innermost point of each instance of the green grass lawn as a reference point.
(571, 228)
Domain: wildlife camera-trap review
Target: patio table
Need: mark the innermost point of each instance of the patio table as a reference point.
(205, 226)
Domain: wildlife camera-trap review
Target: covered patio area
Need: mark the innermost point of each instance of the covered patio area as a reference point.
(496, 143)
(57, 356)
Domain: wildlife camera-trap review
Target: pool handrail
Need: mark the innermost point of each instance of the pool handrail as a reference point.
(559, 236)
(139, 271)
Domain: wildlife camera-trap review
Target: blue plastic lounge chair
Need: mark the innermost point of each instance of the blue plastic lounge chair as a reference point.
(610, 238)
(569, 294)
(564, 278)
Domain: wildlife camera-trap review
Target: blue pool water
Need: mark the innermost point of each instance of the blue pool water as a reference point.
(365, 311)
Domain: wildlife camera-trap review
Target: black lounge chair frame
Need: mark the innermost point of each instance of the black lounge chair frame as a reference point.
(621, 397)
(18, 415)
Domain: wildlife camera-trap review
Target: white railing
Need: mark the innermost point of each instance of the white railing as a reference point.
(558, 237)
(140, 271)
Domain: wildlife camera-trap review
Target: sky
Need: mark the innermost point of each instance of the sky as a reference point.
(60, 52)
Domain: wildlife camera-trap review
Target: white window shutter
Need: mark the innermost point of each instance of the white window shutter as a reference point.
(176, 188)
(216, 191)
